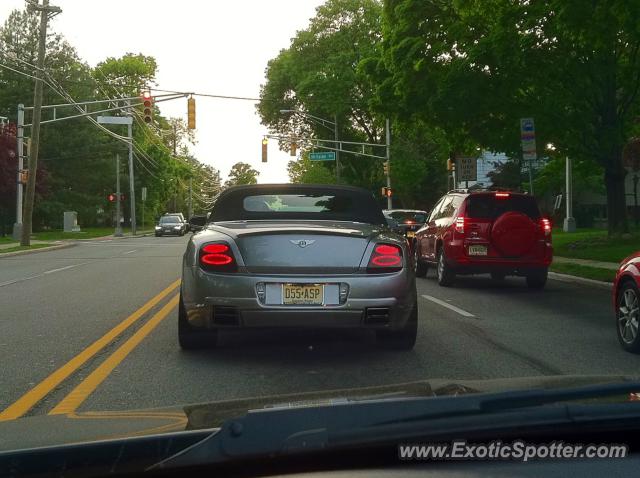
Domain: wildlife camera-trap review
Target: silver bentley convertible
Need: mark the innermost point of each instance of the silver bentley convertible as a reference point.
(299, 256)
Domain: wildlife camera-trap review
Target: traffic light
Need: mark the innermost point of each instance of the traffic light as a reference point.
(191, 113)
(294, 147)
(147, 106)
(24, 176)
(265, 141)
(386, 192)
(450, 165)
(386, 168)
(111, 197)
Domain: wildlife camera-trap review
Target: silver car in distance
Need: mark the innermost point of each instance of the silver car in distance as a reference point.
(297, 256)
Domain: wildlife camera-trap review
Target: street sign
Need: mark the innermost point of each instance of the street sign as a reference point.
(467, 169)
(324, 156)
(528, 139)
(144, 193)
(115, 119)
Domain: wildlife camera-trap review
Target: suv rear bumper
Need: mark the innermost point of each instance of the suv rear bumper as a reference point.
(458, 259)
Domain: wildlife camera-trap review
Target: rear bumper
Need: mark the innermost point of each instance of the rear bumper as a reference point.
(458, 259)
(230, 301)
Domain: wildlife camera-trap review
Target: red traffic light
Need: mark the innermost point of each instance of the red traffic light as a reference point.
(111, 197)
(147, 102)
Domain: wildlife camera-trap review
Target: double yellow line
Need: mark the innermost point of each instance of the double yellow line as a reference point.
(81, 392)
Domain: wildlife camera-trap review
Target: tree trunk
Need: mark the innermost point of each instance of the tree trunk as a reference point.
(616, 199)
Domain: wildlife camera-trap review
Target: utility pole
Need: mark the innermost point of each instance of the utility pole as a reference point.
(132, 193)
(175, 138)
(118, 232)
(27, 219)
(17, 227)
(388, 128)
(569, 221)
(338, 146)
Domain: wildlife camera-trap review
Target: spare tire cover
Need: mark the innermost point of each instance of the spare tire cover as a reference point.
(513, 234)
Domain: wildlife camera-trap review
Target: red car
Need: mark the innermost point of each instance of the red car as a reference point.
(625, 302)
(475, 232)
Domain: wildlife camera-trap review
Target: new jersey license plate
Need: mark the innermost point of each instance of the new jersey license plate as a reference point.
(302, 294)
(477, 250)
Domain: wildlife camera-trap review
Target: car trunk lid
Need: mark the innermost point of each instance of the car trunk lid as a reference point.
(315, 247)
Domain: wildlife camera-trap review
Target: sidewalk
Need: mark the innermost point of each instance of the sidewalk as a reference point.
(10, 245)
(588, 263)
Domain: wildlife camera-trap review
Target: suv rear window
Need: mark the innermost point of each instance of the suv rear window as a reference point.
(488, 206)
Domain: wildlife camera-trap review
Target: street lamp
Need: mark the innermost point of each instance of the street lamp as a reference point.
(327, 124)
(569, 224)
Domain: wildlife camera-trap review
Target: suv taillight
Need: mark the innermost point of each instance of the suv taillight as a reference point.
(217, 257)
(545, 225)
(459, 224)
(385, 258)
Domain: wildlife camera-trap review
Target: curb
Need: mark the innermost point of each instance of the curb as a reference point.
(580, 280)
(40, 249)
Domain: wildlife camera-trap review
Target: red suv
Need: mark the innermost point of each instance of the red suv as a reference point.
(475, 232)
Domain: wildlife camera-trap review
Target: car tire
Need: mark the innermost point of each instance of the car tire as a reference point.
(445, 274)
(190, 339)
(627, 321)
(498, 276)
(537, 279)
(403, 339)
(421, 267)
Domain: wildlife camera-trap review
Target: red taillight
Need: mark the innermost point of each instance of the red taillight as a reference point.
(502, 195)
(409, 221)
(217, 257)
(545, 224)
(385, 258)
(459, 225)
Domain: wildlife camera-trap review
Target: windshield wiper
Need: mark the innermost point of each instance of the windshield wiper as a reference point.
(272, 432)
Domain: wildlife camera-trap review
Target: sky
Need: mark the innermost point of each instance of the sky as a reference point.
(218, 47)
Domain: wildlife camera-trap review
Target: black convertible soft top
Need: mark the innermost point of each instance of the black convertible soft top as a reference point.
(297, 201)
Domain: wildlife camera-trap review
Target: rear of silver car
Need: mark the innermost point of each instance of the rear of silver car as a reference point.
(299, 274)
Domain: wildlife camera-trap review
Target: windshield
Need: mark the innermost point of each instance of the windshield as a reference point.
(407, 216)
(210, 208)
(488, 206)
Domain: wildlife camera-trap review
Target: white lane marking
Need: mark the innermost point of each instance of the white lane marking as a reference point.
(64, 268)
(130, 252)
(448, 306)
(42, 274)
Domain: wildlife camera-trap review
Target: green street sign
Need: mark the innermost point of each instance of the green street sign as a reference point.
(324, 156)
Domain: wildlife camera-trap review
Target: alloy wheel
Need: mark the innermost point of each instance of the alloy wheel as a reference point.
(628, 315)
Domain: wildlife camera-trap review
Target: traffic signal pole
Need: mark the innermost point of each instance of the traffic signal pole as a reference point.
(132, 194)
(118, 232)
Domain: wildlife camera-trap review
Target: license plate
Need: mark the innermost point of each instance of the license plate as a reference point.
(305, 294)
(411, 234)
(477, 250)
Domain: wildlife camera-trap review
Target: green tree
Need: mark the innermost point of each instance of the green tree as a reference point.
(306, 171)
(474, 67)
(319, 74)
(242, 173)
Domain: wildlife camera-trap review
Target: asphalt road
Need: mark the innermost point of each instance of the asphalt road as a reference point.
(56, 305)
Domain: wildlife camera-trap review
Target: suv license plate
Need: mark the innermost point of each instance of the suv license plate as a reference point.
(302, 294)
(477, 250)
(411, 234)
